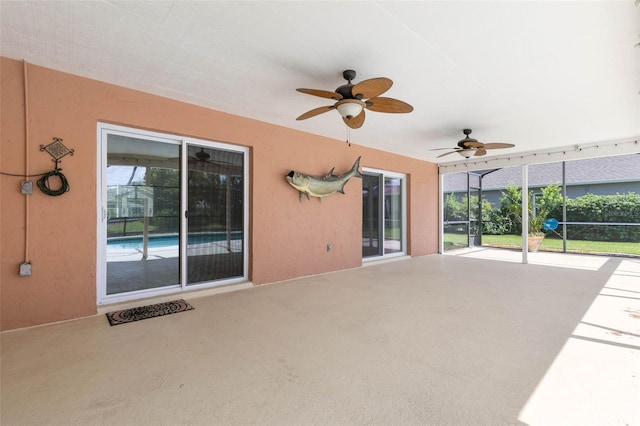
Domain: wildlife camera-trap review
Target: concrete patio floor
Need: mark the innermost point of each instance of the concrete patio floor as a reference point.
(460, 339)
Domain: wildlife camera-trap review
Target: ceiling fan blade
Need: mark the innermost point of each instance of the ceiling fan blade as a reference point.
(388, 105)
(371, 88)
(497, 145)
(480, 152)
(447, 153)
(355, 122)
(321, 93)
(439, 149)
(315, 111)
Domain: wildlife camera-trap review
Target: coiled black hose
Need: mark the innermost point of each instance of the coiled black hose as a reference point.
(43, 183)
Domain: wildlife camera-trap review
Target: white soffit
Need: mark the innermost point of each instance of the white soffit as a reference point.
(536, 74)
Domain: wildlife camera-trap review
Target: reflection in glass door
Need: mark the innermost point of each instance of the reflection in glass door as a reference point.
(143, 214)
(371, 224)
(215, 191)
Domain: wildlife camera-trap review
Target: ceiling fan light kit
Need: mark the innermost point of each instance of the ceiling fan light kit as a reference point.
(352, 99)
(467, 152)
(349, 108)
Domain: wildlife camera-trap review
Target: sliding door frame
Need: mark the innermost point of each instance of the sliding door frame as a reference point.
(403, 214)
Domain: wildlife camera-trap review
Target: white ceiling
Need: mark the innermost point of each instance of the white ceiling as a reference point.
(537, 74)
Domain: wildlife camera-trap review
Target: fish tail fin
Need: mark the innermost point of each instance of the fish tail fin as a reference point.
(355, 168)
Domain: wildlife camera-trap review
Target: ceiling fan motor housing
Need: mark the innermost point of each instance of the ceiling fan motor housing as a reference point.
(345, 91)
(463, 142)
(202, 156)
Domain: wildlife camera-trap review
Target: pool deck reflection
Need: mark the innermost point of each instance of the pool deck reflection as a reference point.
(154, 253)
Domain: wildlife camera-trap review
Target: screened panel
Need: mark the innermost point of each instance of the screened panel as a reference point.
(371, 224)
(392, 215)
(215, 214)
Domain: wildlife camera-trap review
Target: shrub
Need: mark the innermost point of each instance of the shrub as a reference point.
(494, 222)
(618, 208)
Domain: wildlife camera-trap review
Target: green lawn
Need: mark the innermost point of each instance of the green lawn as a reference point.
(549, 244)
(457, 240)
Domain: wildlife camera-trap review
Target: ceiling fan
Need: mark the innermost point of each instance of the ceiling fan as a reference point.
(353, 99)
(200, 156)
(469, 147)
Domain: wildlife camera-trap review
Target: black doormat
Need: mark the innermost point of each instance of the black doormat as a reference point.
(150, 311)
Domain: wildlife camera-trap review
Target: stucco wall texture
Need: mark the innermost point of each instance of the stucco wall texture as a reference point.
(58, 235)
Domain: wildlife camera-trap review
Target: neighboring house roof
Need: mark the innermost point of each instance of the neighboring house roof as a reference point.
(621, 168)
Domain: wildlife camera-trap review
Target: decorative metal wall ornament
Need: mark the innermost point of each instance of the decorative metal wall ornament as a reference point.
(57, 150)
(322, 186)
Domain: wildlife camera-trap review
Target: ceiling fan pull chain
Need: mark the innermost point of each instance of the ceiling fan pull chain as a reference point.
(348, 135)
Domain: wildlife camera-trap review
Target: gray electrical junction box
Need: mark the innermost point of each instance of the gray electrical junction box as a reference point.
(25, 269)
(26, 187)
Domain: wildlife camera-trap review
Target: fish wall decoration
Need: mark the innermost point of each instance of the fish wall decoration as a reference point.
(313, 186)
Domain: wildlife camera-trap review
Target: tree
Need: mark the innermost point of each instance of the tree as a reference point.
(455, 209)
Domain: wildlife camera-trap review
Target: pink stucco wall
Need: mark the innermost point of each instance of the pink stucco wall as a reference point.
(288, 237)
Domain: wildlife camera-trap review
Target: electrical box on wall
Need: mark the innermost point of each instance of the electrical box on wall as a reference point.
(26, 187)
(25, 269)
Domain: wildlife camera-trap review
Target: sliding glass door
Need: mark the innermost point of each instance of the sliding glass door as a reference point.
(173, 214)
(383, 214)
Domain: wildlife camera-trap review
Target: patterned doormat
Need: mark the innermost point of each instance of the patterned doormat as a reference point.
(150, 311)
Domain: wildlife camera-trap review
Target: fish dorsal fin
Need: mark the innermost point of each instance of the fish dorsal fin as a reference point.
(330, 174)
